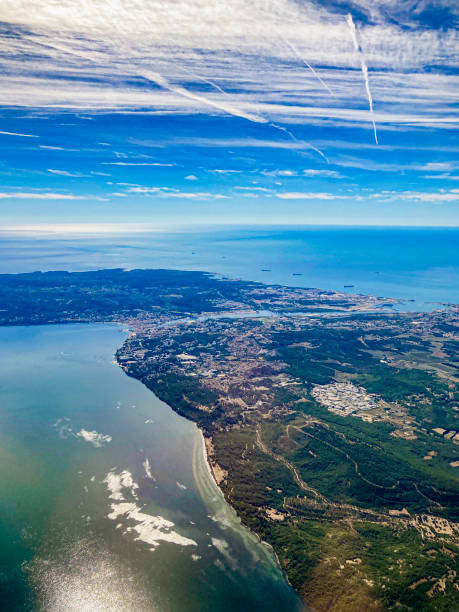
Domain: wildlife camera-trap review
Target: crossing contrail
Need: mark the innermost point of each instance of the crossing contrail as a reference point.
(157, 78)
(185, 93)
(165, 84)
(230, 109)
(358, 48)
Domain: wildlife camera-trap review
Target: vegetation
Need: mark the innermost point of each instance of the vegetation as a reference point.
(360, 502)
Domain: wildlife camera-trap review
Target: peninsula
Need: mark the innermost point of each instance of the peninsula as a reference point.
(330, 419)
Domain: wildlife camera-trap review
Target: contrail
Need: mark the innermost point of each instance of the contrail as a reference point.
(164, 83)
(204, 80)
(160, 80)
(358, 48)
(89, 56)
(181, 91)
(157, 78)
(297, 54)
(282, 129)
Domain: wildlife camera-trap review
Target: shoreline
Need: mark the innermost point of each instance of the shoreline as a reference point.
(207, 454)
(229, 375)
(204, 443)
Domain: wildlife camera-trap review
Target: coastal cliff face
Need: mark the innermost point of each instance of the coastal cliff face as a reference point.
(330, 422)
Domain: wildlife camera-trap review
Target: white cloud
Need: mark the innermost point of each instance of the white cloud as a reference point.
(147, 190)
(324, 173)
(280, 172)
(250, 188)
(438, 166)
(244, 61)
(194, 195)
(167, 192)
(441, 196)
(66, 173)
(24, 195)
(311, 172)
(297, 195)
(220, 171)
(138, 164)
(371, 165)
(442, 177)
(102, 54)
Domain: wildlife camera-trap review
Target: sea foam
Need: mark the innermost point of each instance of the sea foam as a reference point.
(149, 529)
(94, 438)
(147, 467)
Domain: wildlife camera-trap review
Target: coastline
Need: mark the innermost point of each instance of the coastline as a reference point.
(217, 370)
(218, 475)
(205, 441)
(217, 472)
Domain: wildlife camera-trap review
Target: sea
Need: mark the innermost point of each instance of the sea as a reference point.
(418, 265)
(107, 502)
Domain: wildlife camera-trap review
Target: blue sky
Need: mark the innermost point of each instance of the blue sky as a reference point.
(183, 112)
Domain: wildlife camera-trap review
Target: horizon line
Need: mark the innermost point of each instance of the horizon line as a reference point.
(139, 228)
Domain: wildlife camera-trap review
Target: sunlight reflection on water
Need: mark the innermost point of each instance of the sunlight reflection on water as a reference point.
(87, 578)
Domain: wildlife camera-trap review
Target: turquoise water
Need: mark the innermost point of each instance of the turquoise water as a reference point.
(419, 264)
(107, 502)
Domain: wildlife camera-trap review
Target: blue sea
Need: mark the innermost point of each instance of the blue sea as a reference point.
(419, 265)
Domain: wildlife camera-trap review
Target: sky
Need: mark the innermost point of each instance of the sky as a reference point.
(167, 113)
